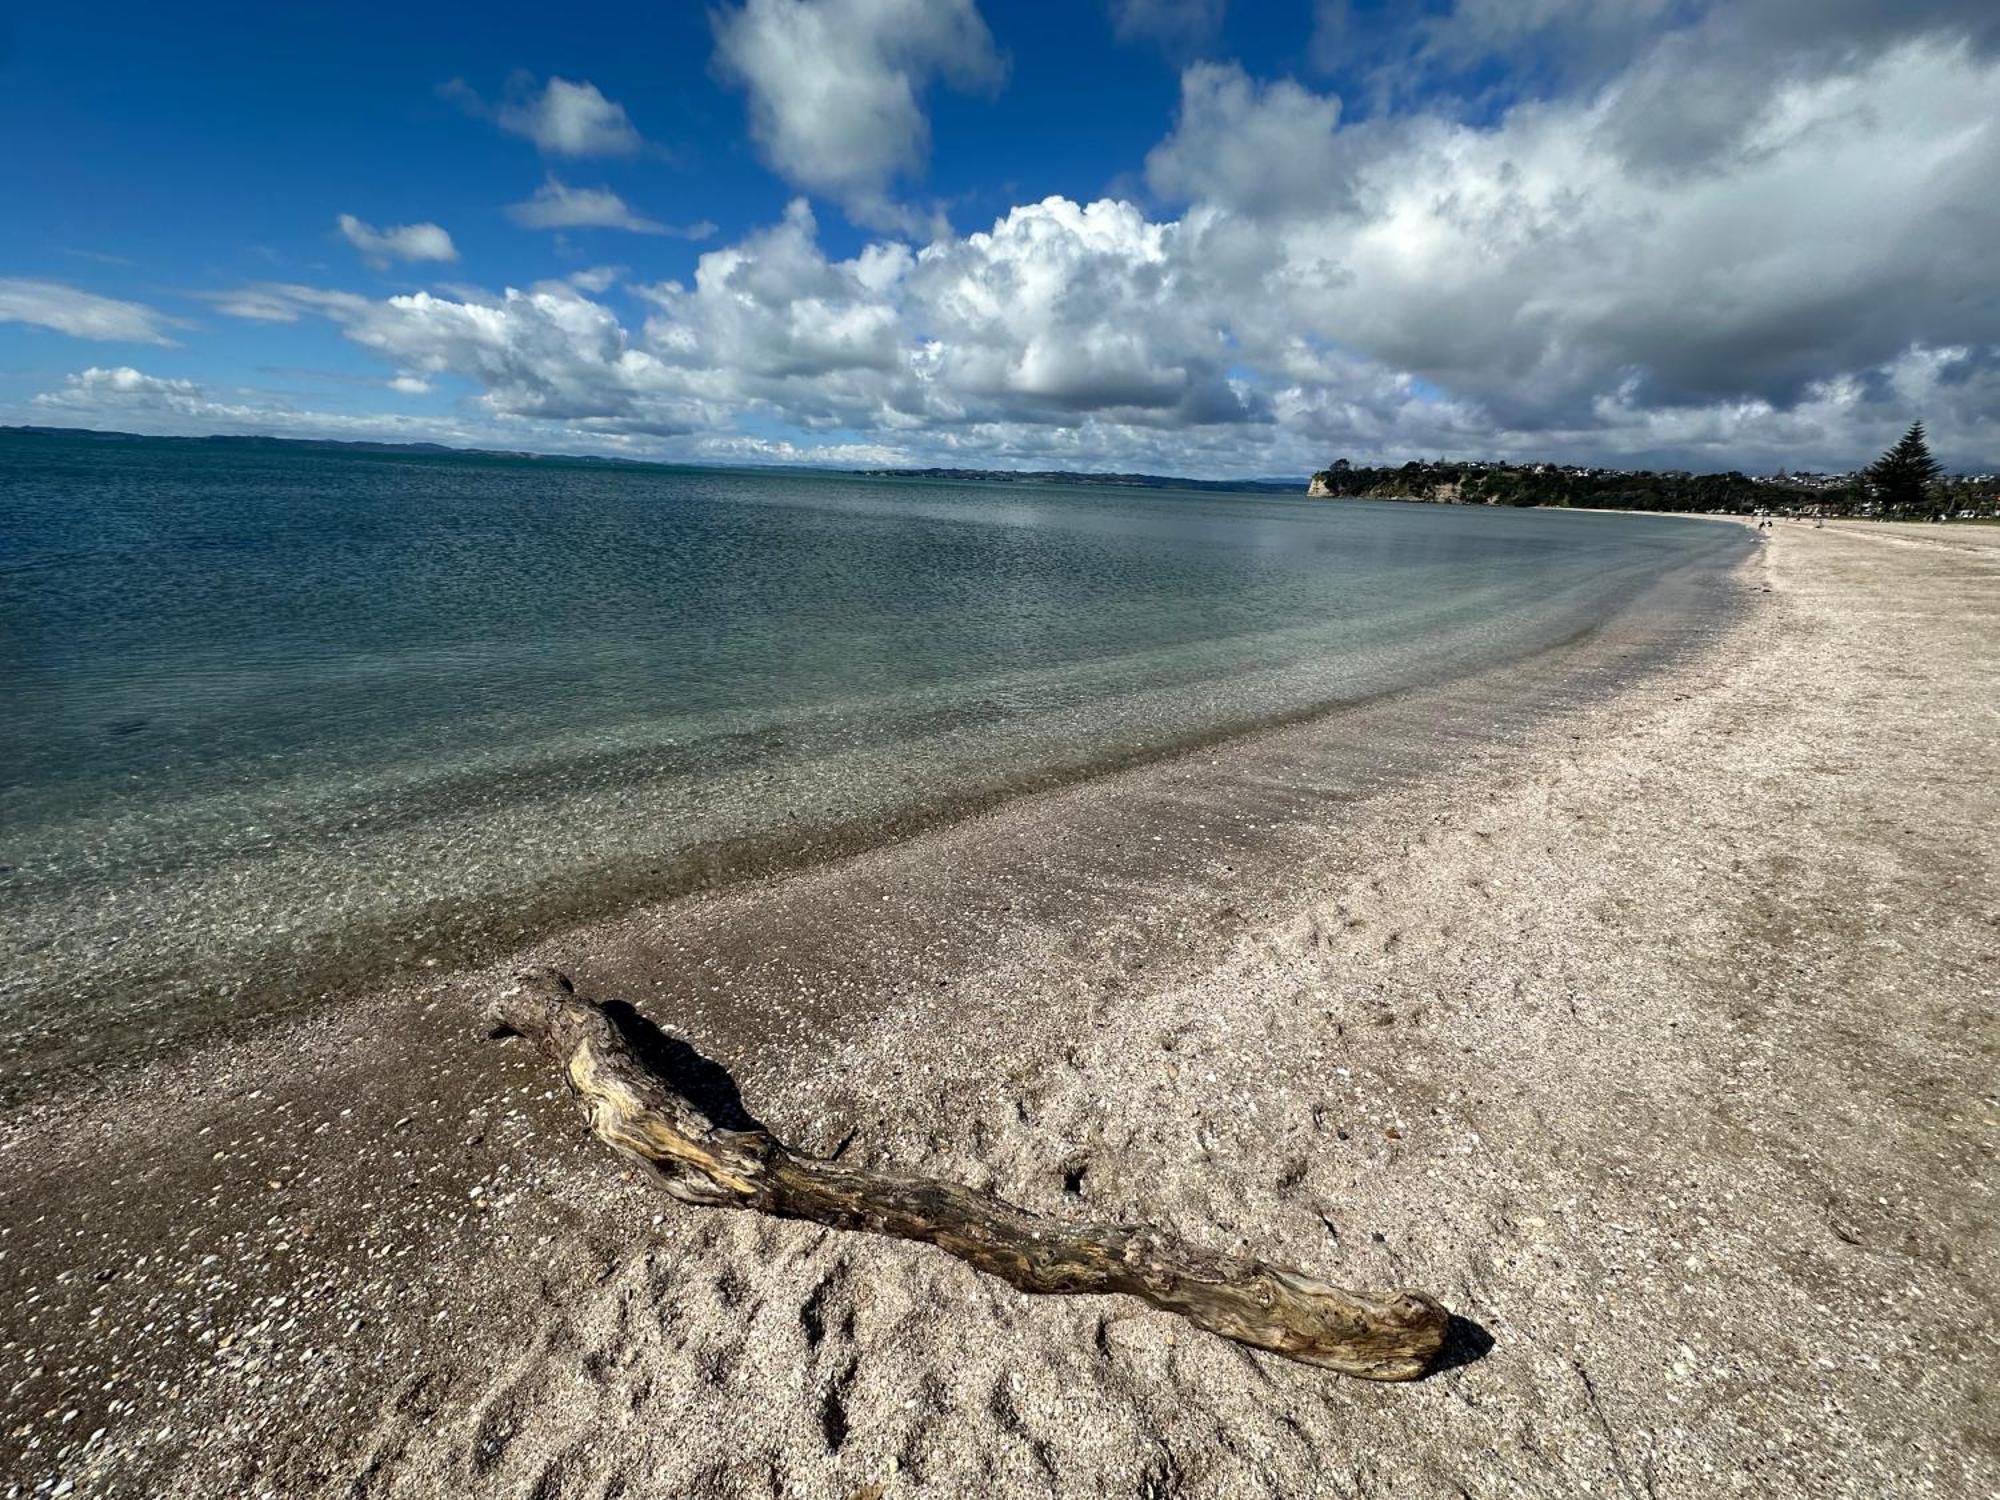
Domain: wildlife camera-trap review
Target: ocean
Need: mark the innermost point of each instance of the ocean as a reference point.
(276, 720)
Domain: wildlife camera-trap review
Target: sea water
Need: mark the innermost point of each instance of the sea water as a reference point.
(273, 717)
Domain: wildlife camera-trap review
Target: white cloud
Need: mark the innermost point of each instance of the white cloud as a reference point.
(81, 314)
(835, 87)
(570, 119)
(1626, 273)
(121, 393)
(283, 302)
(746, 449)
(127, 399)
(254, 303)
(1537, 263)
(547, 353)
(410, 385)
(1060, 316)
(1264, 150)
(1178, 25)
(772, 323)
(412, 242)
(1063, 308)
(124, 382)
(556, 205)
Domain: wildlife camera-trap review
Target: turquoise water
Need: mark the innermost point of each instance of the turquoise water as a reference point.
(269, 711)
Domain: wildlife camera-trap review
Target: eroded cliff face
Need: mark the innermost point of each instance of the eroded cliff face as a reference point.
(1447, 492)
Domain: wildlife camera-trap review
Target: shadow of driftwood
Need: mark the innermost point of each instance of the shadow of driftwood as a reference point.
(700, 1080)
(1465, 1342)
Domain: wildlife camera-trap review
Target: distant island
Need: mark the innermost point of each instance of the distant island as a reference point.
(1266, 484)
(1074, 476)
(1434, 482)
(339, 445)
(1485, 482)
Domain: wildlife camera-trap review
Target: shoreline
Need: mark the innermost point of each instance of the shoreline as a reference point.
(1486, 1032)
(327, 970)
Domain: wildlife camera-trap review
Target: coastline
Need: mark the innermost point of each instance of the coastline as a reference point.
(1585, 1035)
(312, 831)
(161, 951)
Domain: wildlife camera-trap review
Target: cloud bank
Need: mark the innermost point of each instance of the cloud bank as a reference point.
(1754, 235)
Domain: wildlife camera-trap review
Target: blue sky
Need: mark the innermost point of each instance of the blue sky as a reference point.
(1178, 234)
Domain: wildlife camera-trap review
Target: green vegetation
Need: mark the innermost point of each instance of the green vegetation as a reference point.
(1904, 482)
(1476, 483)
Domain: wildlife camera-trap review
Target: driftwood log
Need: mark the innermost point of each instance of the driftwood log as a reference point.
(701, 1160)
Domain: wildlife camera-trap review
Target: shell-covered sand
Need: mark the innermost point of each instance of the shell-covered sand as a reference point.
(1656, 1036)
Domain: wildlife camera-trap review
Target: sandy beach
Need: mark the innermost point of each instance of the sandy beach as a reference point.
(1652, 1032)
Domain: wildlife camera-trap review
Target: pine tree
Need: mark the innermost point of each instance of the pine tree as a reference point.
(1900, 478)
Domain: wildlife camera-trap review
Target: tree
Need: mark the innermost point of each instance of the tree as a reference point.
(1900, 478)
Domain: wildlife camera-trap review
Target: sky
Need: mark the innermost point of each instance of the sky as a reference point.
(1204, 237)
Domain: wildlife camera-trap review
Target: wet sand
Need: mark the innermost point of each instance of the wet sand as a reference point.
(1650, 1027)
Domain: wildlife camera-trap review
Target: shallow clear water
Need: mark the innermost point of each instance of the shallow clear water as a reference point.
(267, 712)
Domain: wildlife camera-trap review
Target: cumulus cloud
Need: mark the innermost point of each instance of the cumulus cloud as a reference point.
(412, 242)
(835, 87)
(546, 354)
(562, 118)
(556, 205)
(81, 314)
(1537, 262)
(1063, 308)
(572, 119)
(1630, 271)
(774, 309)
(1263, 150)
(1060, 314)
(127, 384)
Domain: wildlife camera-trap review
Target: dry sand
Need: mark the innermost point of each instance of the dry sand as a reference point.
(1655, 1035)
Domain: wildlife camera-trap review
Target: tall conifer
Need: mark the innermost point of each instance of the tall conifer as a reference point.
(1901, 478)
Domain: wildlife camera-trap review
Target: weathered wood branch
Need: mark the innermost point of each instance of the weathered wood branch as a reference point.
(733, 1162)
